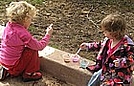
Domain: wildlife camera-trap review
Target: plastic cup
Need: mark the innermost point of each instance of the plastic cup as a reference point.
(66, 58)
(83, 64)
(75, 58)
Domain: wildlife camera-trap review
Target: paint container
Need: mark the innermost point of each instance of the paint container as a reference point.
(83, 63)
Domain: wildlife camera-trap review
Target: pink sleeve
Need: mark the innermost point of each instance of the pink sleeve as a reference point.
(31, 42)
(38, 45)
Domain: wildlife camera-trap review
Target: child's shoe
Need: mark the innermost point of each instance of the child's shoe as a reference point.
(3, 73)
(32, 76)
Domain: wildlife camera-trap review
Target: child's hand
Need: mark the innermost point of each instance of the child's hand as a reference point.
(132, 68)
(49, 29)
(83, 46)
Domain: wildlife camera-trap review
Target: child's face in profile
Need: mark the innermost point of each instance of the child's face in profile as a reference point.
(27, 22)
(106, 33)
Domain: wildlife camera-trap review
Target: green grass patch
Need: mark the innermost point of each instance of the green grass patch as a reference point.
(35, 1)
(32, 28)
(55, 46)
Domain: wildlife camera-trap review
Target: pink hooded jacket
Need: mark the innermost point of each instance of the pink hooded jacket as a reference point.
(14, 38)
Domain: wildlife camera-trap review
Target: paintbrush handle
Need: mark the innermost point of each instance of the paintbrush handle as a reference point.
(78, 50)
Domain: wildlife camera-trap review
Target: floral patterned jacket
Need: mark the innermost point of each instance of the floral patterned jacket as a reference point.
(114, 75)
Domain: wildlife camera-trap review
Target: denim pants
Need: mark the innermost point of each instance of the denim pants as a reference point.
(95, 79)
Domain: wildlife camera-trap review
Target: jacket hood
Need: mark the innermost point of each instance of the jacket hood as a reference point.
(129, 40)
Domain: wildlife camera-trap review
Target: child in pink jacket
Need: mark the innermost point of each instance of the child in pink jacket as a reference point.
(19, 50)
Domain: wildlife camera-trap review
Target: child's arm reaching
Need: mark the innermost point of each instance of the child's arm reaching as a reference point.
(41, 44)
(94, 46)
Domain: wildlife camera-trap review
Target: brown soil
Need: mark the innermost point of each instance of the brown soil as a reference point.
(75, 21)
(47, 80)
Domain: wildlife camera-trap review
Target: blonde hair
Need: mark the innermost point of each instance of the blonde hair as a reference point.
(115, 24)
(17, 11)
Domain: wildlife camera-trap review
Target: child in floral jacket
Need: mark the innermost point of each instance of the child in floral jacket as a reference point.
(116, 53)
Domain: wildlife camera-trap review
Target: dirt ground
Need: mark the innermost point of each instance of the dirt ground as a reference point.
(47, 80)
(75, 21)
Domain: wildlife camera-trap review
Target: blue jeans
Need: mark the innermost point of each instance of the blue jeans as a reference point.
(95, 79)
